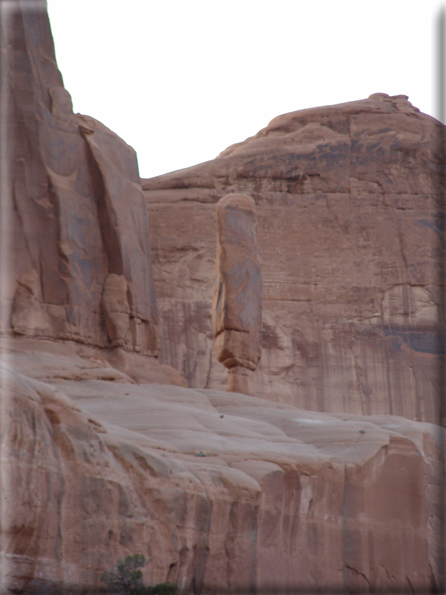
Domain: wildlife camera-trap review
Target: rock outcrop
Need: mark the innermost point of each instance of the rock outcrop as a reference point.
(101, 456)
(348, 232)
(237, 300)
(222, 491)
(77, 214)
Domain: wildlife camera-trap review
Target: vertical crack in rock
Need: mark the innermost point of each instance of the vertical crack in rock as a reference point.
(108, 227)
(237, 299)
(123, 217)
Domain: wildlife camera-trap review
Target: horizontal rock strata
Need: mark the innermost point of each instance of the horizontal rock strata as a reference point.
(348, 233)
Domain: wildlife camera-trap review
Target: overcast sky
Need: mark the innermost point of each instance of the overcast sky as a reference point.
(180, 80)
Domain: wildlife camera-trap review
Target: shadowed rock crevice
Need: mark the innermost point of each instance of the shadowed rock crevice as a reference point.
(123, 220)
(108, 231)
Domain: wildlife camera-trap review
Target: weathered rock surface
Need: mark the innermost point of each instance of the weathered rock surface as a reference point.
(348, 235)
(102, 457)
(237, 296)
(78, 218)
(220, 490)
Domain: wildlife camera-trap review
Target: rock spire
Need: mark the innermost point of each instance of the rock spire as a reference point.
(237, 300)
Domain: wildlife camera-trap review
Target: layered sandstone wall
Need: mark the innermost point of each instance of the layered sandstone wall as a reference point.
(100, 459)
(348, 234)
(348, 230)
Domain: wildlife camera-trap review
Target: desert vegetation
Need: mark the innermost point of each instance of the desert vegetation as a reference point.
(126, 579)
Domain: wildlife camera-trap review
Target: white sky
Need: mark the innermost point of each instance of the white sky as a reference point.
(180, 80)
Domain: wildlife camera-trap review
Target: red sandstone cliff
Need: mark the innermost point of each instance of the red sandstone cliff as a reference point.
(80, 245)
(101, 458)
(347, 201)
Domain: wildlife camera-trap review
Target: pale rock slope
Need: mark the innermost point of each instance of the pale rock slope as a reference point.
(220, 490)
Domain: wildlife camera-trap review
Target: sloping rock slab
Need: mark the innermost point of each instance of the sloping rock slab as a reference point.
(220, 490)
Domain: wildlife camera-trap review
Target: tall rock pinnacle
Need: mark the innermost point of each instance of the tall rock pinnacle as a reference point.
(237, 300)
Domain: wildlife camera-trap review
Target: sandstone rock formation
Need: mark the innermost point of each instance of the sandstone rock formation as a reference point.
(237, 299)
(220, 490)
(77, 211)
(348, 231)
(101, 456)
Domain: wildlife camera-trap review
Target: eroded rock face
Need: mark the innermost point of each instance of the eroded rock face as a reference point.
(102, 457)
(77, 211)
(348, 236)
(220, 490)
(237, 299)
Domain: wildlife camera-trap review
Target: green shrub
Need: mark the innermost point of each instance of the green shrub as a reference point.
(164, 589)
(127, 579)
